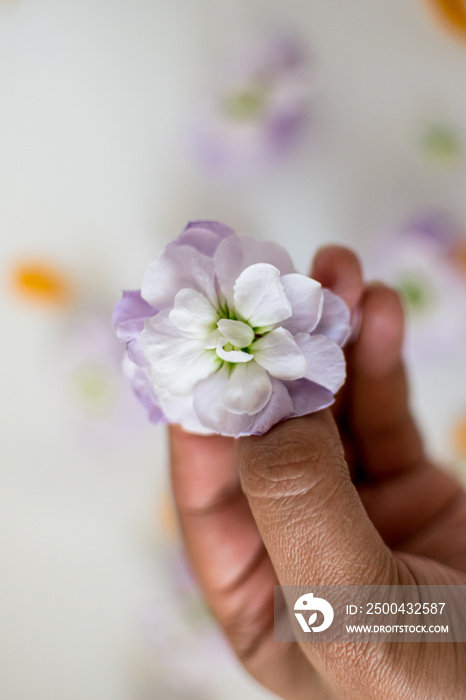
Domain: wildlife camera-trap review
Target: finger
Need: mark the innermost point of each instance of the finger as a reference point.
(307, 510)
(231, 563)
(337, 268)
(313, 523)
(386, 434)
(415, 504)
(220, 533)
(393, 468)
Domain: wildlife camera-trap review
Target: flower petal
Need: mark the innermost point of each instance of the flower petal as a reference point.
(210, 342)
(279, 407)
(129, 315)
(177, 362)
(232, 355)
(204, 236)
(306, 299)
(193, 313)
(335, 319)
(279, 354)
(236, 253)
(325, 361)
(179, 267)
(209, 407)
(179, 409)
(215, 416)
(248, 389)
(142, 387)
(259, 296)
(236, 332)
(308, 397)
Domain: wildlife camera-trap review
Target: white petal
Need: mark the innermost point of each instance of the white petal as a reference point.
(232, 355)
(193, 313)
(235, 253)
(179, 409)
(325, 361)
(208, 404)
(279, 354)
(335, 320)
(177, 362)
(176, 408)
(179, 267)
(210, 342)
(248, 389)
(306, 299)
(259, 296)
(236, 332)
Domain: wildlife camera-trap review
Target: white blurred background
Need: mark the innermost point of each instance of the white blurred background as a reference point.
(95, 177)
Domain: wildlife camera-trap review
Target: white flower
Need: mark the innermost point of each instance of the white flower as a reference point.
(235, 340)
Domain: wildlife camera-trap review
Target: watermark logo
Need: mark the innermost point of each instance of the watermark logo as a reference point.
(307, 603)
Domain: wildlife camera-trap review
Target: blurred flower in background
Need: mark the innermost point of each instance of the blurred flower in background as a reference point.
(451, 14)
(99, 407)
(257, 110)
(442, 144)
(86, 359)
(40, 282)
(422, 260)
(176, 625)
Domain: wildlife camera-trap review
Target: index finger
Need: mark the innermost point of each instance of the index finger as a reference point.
(231, 562)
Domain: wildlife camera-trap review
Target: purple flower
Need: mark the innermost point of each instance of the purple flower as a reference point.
(418, 259)
(97, 402)
(225, 337)
(258, 110)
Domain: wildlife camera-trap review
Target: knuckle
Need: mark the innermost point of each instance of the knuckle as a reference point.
(286, 463)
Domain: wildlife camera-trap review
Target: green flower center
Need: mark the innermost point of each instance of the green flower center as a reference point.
(92, 388)
(416, 293)
(246, 104)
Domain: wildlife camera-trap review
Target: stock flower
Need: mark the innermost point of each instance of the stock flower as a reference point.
(226, 337)
(258, 109)
(420, 260)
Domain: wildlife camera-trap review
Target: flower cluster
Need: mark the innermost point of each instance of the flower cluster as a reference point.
(257, 111)
(225, 337)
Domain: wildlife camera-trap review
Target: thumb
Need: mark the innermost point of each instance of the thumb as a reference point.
(307, 509)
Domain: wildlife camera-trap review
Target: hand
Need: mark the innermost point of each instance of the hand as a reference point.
(341, 497)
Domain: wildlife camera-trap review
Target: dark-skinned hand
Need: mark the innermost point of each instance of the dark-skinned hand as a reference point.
(343, 496)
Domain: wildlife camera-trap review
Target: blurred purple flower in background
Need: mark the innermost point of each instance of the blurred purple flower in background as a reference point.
(176, 624)
(101, 411)
(258, 110)
(225, 337)
(442, 143)
(420, 260)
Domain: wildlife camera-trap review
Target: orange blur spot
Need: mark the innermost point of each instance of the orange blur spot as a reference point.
(460, 256)
(459, 437)
(452, 14)
(40, 282)
(168, 518)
